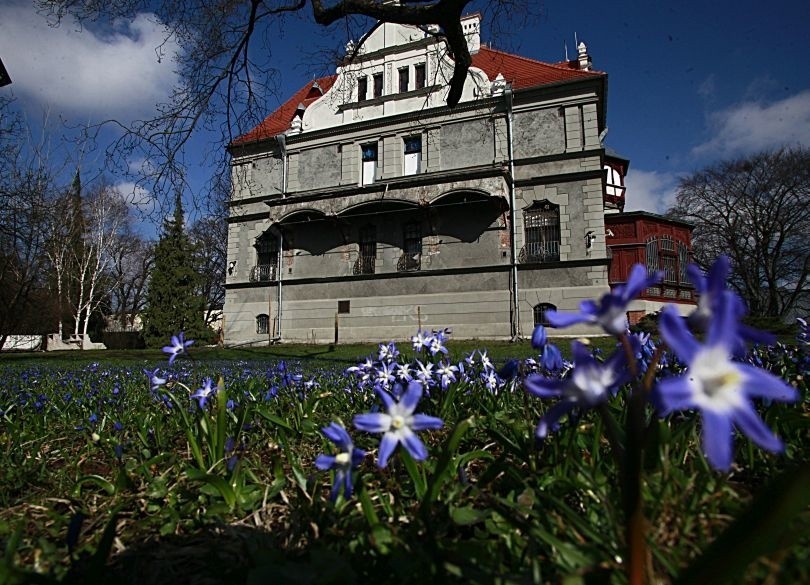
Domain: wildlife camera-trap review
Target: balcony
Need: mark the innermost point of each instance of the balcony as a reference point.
(539, 252)
(364, 265)
(263, 273)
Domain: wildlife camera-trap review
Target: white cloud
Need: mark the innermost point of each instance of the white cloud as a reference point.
(136, 197)
(83, 73)
(752, 126)
(652, 191)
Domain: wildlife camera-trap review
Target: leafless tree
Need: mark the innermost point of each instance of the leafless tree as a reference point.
(131, 266)
(756, 210)
(226, 75)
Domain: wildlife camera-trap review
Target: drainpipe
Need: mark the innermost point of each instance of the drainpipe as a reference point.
(282, 144)
(515, 313)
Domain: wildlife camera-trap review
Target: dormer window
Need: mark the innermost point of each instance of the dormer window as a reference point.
(403, 80)
(378, 85)
(419, 73)
(362, 88)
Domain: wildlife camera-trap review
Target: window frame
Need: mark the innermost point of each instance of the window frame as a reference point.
(262, 324)
(362, 88)
(365, 157)
(379, 85)
(412, 145)
(542, 232)
(420, 75)
(404, 74)
(540, 310)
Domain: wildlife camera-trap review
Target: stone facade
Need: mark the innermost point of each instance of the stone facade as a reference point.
(357, 216)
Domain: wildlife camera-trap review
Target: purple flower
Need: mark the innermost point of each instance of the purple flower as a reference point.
(398, 424)
(446, 373)
(154, 380)
(720, 388)
(551, 358)
(589, 384)
(803, 335)
(178, 346)
(420, 340)
(203, 394)
(347, 459)
(611, 312)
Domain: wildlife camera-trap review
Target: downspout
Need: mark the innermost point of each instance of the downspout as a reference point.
(515, 313)
(282, 144)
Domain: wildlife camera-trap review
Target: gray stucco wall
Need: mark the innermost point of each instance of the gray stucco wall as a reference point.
(538, 133)
(319, 167)
(466, 143)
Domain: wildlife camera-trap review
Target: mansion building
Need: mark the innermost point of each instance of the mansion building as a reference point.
(364, 208)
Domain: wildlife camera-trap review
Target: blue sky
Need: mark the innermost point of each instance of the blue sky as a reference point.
(689, 82)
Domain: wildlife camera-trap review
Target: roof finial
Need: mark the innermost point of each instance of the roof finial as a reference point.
(583, 57)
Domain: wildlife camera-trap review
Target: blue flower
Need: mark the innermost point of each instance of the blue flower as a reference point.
(803, 335)
(420, 340)
(589, 384)
(347, 459)
(446, 373)
(398, 424)
(551, 358)
(178, 346)
(720, 388)
(437, 340)
(154, 380)
(713, 295)
(203, 394)
(611, 312)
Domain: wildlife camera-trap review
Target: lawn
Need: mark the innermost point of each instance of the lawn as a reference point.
(108, 476)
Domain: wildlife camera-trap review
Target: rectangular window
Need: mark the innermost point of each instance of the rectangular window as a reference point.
(344, 307)
(541, 224)
(411, 258)
(378, 85)
(419, 73)
(403, 80)
(413, 155)
(369, 163)
(362, 88)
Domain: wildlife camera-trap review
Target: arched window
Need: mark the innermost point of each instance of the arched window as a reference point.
(653, 264)
(541, 225)
(262, 324)
(540, 314)
(683, 262)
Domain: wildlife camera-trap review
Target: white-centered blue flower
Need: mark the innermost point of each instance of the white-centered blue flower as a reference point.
(178, 346)
(589, 384)
(399, 424)
(203, 394)
(611, 312)
(716, 385)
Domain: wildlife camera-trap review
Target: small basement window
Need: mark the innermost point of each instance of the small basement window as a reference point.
(344, 307)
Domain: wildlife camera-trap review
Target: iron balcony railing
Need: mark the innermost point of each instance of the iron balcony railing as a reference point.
(409, 263)
(364, 265)
(540, 252)
(263, 273)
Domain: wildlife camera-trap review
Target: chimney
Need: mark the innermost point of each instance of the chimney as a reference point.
(471, 27)
(584, 58)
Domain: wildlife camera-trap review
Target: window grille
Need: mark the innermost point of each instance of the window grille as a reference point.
(368, 250)
(266, 258)
(411, 247)
(540, 311)
(652, 256)
(542, 229)
(419, 74)
(683, 262)
(263, 324)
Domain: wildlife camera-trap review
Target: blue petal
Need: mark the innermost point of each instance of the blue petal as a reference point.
(423, 422)
(750, 424)
(373, 422)
(718, 273)
(539, 337)
(324, 462)
(556, 319)
(636, 282)
(387, 446)
(357, 456)
(673, 394)
(386, 398)
(717, 439)
(762, 384)
(411, 397)
(723, 328)
(544, 387)
(551, 420)
(676, 335)
(415, 446)
(338, 435)
(347, 484)
(336, 485)
(697, 277)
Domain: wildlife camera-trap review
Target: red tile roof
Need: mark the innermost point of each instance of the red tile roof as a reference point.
(279, 121)
(520, 72)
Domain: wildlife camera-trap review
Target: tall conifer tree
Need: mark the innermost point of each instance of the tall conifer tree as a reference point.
(173, 300)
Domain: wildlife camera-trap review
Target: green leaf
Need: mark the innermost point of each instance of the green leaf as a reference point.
(96, 480)
(757, 532)
(417, 478)
(467, 515)
(444, 470)
(222, 486)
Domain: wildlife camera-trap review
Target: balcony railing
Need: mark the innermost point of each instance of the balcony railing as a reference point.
(364, 265)
(263, 273)
(409, 263)
(540, 252)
